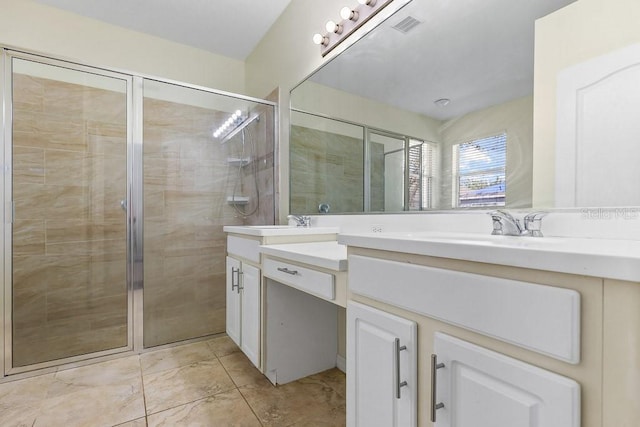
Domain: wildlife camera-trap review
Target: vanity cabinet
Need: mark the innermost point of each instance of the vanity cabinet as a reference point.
(243, 307)
(381, 368)
(246, 295)
(519, 346)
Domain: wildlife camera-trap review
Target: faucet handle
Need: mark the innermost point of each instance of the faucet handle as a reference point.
(497, 223)
(533, 223)
(300, 220)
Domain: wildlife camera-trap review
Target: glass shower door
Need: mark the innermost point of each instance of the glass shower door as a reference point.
(198, 176)
(69, 293)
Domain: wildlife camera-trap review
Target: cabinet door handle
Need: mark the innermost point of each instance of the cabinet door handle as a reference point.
(234, 284)
(434, 406)
(286, 270)
(235, 279)
(399, 384)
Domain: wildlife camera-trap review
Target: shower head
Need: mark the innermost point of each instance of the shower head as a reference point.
(246, 122)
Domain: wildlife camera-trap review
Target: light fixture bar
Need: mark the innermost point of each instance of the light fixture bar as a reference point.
(244, 123)
(352, 19)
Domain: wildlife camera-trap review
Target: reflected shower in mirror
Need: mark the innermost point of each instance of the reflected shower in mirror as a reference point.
(456, 77)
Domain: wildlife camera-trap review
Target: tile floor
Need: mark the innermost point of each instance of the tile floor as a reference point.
(209, 383)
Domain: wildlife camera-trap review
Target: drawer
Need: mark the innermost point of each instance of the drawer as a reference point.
(541, 318)
(245, 248)
(315, 282)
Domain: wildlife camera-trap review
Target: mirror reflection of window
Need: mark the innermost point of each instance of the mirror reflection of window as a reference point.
(480, 169)
(421, 174)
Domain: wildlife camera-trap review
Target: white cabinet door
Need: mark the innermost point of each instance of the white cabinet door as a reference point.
(250, 323)
(233, 299)
(482, 388)
(381, 368)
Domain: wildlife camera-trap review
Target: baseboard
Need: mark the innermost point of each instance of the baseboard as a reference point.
(341, 363)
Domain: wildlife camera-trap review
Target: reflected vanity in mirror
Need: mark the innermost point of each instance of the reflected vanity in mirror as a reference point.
(435, 109)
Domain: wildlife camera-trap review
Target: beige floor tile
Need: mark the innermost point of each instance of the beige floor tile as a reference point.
(106, 405)
(307, 402)
(20, 400)
(117, 372)
(174, 387)
(242, 371)
(223, 346)
(224, 409)
(140, 422)
(176, 357)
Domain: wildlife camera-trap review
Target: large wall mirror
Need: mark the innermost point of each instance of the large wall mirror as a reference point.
(442, 106)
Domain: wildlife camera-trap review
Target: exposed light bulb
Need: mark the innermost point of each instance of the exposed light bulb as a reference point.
(347, 13)
(319, 39)
(367, 2)
(238, 113)
(332, 27)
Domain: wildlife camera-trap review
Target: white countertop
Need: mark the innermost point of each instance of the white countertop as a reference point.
(613, 259)
(278, 230)
(330, 255)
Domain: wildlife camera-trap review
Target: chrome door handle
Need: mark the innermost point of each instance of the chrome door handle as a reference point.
(434, 406)
(123, 204)
(399, 384)
(286, 270)
(235, 272)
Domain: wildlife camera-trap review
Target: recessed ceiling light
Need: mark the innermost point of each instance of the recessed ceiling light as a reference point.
(442, 102)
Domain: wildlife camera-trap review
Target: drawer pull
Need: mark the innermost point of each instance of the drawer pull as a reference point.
(286, 270)
(434, 406)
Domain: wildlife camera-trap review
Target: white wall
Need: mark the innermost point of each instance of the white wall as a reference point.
(574, 34)
(25, 24)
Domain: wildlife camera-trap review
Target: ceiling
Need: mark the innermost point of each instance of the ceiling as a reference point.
(476, 54)
(230, 28)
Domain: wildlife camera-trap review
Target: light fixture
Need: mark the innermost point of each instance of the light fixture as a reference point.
(349, 14)
(442, 102)
(352, 19)
(320, 39)
(332, 27)
(234, 121)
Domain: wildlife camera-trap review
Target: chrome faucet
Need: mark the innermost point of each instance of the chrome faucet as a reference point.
(300, 220)
(505, 224)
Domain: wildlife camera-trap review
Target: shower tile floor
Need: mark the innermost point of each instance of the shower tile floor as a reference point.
(209, 383)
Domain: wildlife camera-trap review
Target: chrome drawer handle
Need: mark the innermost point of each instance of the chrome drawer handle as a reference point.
(399, 384)
(286, 270)
(434, 406)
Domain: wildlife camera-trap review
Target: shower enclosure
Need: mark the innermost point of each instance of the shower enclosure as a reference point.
(116, 191)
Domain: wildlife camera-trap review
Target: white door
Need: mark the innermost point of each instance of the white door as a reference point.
(482, 388)
(233, 299)
(381, 368)
(250, 323)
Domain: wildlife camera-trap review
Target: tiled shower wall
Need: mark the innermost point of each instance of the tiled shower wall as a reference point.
(69, 234)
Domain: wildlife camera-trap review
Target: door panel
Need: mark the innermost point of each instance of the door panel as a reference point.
(251, 313)
(69, 234)
(482, 388)
(373, 364)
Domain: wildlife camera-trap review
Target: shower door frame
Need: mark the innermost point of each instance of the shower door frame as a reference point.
(134, 197)
(133, 204)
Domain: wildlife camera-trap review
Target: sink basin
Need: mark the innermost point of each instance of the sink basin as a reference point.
(278, 230)
(615, 259)
(269, 227)
(477, 238)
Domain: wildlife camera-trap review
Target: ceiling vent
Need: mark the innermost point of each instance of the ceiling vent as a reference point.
(407, 24)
